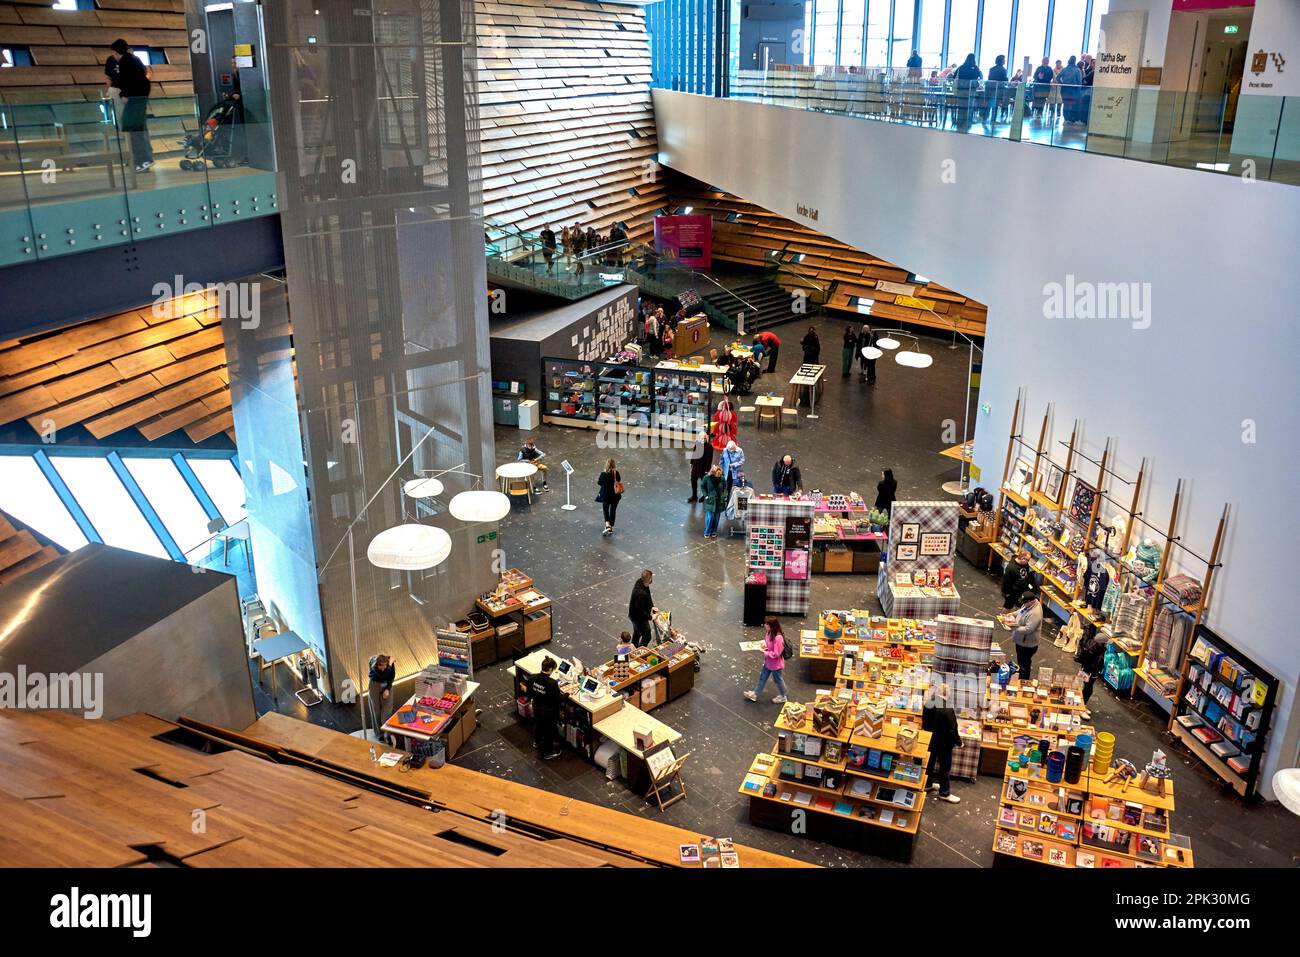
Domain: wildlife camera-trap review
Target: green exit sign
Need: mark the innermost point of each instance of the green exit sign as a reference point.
(1230, 28)
(985, 408)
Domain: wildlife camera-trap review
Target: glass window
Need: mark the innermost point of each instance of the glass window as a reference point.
(1031, 31)
(877, 33)
(855, 12)
(930, 44)
(995, 33)
(900, 38)
(28, 496)
(170, 496)
(224, 487)
(825, 34)
(961, 34)
(107, 504)
(1094, 29)
(803, 52)
(1067, 29)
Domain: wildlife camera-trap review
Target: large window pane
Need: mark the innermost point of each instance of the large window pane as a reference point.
(172, 499)
(931, 43)
(900, 38)
(824, 39)
(877, 33)
(223, 485)
(108, 505)
(995, 34)
(1067, 29)
(28, 496)
(1094, 29)
(1031, 31)
(804, 55)
(851, 32)
(961, 34)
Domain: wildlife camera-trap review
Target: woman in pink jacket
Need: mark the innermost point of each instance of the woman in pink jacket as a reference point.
(773, 662)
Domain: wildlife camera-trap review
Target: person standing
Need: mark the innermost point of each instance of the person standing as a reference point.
(641, 608)
(1071, 80)
(701, 462)
(995, 88)
(1043, 77)
(786, 477)
(1092, 658)
(1026, 625)
(134, 83)
(610, 492)
(773, 663)
(714, 495)
(548, 247)
(566, 241)
(886, 491)
(867, 340)
(652, 332)
(771, 347)
(811, 344)
(379, 691)
(733, 463)
(968, 77)
(850, 350)
(114, 91)
(545, 694)
(941, 722)
(914, 65)
(1016, 577)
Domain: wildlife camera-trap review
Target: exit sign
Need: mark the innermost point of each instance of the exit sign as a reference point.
(1230, 28)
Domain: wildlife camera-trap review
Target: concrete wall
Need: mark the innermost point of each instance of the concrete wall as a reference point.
(1204, 390)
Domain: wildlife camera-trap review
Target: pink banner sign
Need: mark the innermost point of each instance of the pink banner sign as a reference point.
(688, 239)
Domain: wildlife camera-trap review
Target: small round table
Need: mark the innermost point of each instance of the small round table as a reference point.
(513, 472)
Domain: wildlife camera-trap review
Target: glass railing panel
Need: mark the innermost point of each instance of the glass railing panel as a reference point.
(17, 237)
(166, 190)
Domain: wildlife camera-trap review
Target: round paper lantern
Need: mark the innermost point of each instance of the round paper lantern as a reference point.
(885, 342)
(422, 488)
(871, 352)
(479, 506)
(409, 547)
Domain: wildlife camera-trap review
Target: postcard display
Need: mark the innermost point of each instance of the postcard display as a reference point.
(922, 548)
(780, 546)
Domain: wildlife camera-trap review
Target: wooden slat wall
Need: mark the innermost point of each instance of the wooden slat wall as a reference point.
(840, 272)
(567, 121)
(69, 47)
(20, 552)
(156, 371)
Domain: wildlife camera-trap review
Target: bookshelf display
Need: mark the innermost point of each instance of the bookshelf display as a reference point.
(595, 394)
(1222, 712)
(861, 791)
(681, 399)
(1092, 823)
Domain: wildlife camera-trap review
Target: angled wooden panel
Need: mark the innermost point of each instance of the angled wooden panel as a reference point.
(23, 404)
(209, 427)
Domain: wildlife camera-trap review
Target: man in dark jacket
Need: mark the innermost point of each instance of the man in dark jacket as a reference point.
(1091, 657)
(1015, 579)
(133, 81)
(941, 722)
(641, 608)
(548, 247)
(786, 477)
(379, 691)
(1043, 77)
(994, 88)
(544, 692)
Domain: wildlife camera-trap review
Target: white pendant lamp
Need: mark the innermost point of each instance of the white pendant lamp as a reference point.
(871, 352)
(885, 342)
(1286, 788)
(479, 506)
(409, 547)
(422, 488)
(914, 360)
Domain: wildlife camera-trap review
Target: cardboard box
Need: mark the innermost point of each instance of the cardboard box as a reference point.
(839, 559)
(866, 561)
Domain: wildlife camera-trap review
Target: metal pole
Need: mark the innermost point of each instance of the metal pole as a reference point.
(356, 635)
(965, 421)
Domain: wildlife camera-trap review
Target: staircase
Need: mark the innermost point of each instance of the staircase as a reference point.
(21, 550)
(765, 304)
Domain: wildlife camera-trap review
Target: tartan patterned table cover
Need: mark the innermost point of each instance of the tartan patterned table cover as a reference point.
(783, 597)
(962, 645)
(920, 606)
(934, 518)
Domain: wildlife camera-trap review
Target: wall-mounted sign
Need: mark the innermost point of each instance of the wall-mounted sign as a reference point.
(688, 239)
(807, 212)
(1230, 28)
(939, 543)
(1119, 57)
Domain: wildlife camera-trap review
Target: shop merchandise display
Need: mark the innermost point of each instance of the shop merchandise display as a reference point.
(673, 397)
(779, 546)
(1056, 809)
(917, 579)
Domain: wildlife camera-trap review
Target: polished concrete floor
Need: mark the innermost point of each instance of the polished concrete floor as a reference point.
(898, 423)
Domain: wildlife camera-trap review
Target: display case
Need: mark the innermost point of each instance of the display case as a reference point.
(598, 394)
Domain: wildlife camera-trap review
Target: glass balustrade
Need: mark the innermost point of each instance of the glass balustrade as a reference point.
(83, 174)
(1251, 136)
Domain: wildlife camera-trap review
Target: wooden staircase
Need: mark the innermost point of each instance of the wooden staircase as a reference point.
(21, 551)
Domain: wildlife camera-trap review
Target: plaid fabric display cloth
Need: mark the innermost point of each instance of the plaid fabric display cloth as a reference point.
(962, 645)
(931, 519)
(966, 761)
(913, 606)
(783, 597)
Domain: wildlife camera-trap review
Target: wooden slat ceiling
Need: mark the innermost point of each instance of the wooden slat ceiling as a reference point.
(20, 552)
(841, 270)
(156, 369)
(567, 123)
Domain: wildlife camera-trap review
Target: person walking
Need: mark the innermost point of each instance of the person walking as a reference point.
(548, 247)
(1092, 658)
(134, 83)
(1016, 577)
(713, 493)
(941, 721)
(1026, 626)
(774, 655)
(850, 351)
(886, 491)
(641, 608)
(867, 340)
(610, 492)
(786, 477)
(701, 462)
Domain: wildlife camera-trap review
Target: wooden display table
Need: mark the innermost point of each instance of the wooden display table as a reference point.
(454, 726)
(691, 335)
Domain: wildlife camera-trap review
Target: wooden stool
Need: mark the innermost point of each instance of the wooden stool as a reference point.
(791, 416)
(768, 414)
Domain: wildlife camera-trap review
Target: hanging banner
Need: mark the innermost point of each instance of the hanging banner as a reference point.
(1119, 60)
(688, 239)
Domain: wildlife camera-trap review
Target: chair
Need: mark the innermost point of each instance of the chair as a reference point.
(791, 416)
(769, 414)
(748, 410)
(215, 526)
(520, 487)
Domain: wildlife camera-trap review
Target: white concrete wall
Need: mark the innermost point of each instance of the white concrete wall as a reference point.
(1222, 346)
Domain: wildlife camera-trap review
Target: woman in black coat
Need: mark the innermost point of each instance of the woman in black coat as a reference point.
(850, 350)
(701, 462)
(609, 495)
(886, 490)
(812, 347)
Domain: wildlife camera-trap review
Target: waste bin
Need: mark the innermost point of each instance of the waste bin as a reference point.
(756, 600)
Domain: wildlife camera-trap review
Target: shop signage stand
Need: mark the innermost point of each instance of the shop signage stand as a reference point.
(568, 505)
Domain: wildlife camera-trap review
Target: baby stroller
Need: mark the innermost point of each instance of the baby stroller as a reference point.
(214, 140)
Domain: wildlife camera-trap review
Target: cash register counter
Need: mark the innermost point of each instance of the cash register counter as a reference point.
(589, 720)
